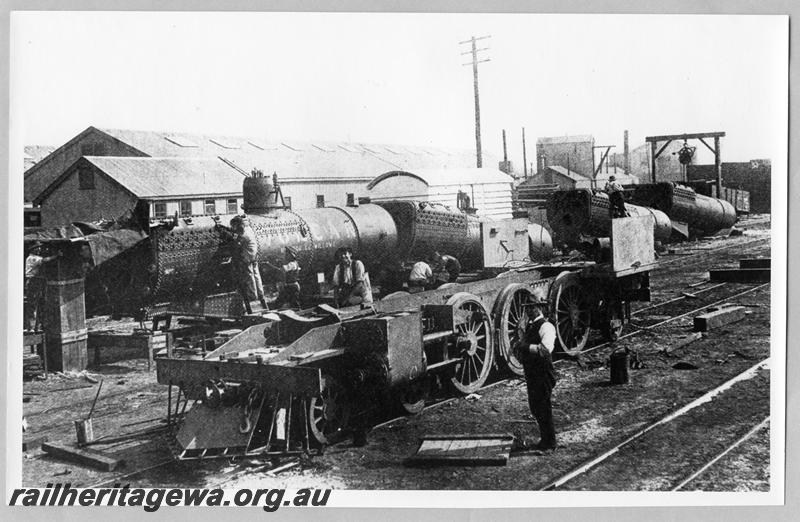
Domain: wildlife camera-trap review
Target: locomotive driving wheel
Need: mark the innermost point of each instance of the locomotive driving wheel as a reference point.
(511, 318)
(473, 343)
(329, 412)
(571, 307)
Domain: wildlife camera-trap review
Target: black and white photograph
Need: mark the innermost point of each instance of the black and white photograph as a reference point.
(387, 259)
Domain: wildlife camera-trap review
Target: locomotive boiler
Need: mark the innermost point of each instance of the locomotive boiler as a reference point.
(701, 215)
(576, 213)
(185, 264)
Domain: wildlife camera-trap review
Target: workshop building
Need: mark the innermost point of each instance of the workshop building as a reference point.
(564, 179)
(574, 153)
(486, 190)
(104, 188)
(311, 174)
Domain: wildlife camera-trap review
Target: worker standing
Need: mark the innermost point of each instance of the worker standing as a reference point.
(350, 280)
(420, 278)
(289, 296)
(616, 206)
(534, 351)
(448, 264)
(249, 273)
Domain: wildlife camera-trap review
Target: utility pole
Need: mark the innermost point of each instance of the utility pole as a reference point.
(475, 62)
(524, 155)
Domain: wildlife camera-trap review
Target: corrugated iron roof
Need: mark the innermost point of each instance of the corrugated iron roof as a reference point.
(298, 160)
(151, 178)
(580, 138)
(449, 177)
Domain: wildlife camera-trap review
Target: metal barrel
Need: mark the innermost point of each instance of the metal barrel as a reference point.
(619, 362)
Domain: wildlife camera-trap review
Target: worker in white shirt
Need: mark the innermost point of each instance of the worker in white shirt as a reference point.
(616, 201)
(534, 351)
(350, 280)
(420, 277)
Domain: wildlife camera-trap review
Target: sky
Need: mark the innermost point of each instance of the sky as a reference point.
(401, 79)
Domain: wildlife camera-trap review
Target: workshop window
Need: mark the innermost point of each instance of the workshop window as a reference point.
(210, 206)
(186, 208)
(232, 206)
(160, 209)
(320, 200)
(85, 179)
(287, 201)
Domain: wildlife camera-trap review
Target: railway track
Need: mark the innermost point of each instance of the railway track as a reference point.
(641, 329)
(564, 480)
(703, 469)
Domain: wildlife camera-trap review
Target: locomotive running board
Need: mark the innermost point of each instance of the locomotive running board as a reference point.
(296, 380)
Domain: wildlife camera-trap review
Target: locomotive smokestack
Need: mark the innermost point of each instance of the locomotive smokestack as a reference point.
(261, 196)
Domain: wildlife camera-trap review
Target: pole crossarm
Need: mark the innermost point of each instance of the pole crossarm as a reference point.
(651, 139)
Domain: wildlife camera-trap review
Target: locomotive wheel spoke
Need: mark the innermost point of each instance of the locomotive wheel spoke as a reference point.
(511, 318)
(572, 313)
(475, 344)
(329, 412)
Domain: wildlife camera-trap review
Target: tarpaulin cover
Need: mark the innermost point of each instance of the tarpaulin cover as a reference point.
(104, 245)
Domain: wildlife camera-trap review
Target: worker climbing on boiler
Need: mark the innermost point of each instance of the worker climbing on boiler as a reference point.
(246, 268)
(616, 201)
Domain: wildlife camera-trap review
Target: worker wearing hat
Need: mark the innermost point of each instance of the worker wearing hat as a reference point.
(249, 274)
(289, 296)
(534, 350)
(616, 201)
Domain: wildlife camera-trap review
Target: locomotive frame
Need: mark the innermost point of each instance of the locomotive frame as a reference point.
(293, 384)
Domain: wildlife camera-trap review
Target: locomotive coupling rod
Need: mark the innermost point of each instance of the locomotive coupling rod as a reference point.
(435, 336)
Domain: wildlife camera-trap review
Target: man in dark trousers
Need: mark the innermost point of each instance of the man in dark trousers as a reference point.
(616, 201)
(534, 351)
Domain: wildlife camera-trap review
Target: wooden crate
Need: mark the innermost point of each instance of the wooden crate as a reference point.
(107, 348)
(64, 325)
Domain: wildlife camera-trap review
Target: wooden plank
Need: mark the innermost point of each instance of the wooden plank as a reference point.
(454, 436)
(684, 341)
(717, 318)
(463, 450)
(755, 263)
(88, 457)
(740, 275)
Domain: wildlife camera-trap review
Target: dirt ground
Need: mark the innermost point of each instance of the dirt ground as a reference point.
(590, 416)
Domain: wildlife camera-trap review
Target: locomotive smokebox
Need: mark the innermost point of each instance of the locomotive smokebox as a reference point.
(260, 195)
